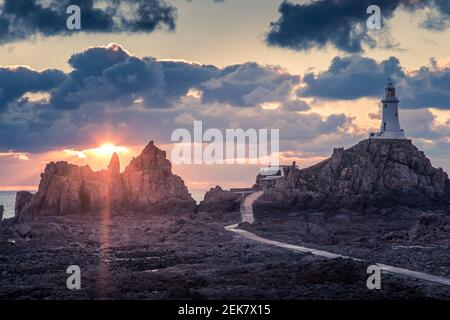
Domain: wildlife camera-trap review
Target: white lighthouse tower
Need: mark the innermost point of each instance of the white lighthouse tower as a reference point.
(390, 123)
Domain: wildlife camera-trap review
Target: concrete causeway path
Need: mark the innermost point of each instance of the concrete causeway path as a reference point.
(247, 216)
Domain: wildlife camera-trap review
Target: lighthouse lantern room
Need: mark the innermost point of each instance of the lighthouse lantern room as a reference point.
(390, 122)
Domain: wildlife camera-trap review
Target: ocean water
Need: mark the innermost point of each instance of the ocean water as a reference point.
(198, 194)
(8, 199)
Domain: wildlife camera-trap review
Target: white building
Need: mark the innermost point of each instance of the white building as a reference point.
(390, 123)
(272, 177)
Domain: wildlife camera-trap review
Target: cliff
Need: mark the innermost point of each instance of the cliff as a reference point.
(373, 173)
(147, 184)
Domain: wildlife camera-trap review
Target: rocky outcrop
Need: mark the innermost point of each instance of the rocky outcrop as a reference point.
(373, 173)
(22, 200)
(148, 179)
(2, 210)
(147, 183)
(218, 200)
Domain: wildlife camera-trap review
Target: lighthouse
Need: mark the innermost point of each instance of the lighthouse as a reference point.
(390, 122)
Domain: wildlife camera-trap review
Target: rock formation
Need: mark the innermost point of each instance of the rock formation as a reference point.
(148, 179)
(373, 173)
(2, 210)
(218, 200)
(146, 184)
(22, 200)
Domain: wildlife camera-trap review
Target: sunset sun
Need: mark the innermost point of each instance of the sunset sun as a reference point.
(107, 149)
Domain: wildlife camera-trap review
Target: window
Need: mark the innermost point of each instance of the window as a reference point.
(396, 115)
(385, 105)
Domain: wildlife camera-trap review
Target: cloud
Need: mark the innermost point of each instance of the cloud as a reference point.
(109, 75)
(351, 77)
(356, 77)
(112, 95)
(296, 105)
(18, 80)
(426, 87)
(15, 155)
(422, 124)
(23, 19)
(436, 16)
(249, 84)
(342, 24)
(112, 92)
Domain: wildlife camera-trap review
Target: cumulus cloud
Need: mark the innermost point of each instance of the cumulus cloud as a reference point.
(342, 24)
(111, 90)
(426, 87)
(110, 93)
(22, 19)
(356, 77)
(18, 80)
(249, 84)
(110, 74)
(351, 77)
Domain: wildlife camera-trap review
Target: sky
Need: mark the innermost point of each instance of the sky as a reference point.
(137, 70)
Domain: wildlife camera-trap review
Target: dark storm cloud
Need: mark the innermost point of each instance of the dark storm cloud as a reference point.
(356, 77)
(16, 81)
(343, 23)
(22, 19)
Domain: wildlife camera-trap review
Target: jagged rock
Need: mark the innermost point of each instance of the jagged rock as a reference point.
(22, 200)
(2, 210)
(114, 166)
(147, 181)
(218, 200)
(373, 173)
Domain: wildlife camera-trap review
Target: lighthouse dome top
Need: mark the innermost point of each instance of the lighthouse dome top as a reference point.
(390, 83)
(390, 122)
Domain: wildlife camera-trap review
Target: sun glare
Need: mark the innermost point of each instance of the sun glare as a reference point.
(108, 149)
(105, 150)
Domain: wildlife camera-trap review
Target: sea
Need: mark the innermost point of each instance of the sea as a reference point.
(198, 194)
(8, 199)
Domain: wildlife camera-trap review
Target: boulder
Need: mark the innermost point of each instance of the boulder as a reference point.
(23, 229)
(69, 189)
(428, 226)
(218, 200)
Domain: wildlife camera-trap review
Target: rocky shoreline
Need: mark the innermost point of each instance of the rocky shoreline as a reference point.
(172, 256)
(402, 237)
(140, 235)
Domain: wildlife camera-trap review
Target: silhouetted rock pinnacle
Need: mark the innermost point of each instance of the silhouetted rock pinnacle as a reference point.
(147, 184)
(114, 165)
